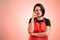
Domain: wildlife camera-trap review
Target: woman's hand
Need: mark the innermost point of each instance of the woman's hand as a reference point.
(31, 25)
(33, 15)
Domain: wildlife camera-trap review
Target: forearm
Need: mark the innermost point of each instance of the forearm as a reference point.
(43, 34)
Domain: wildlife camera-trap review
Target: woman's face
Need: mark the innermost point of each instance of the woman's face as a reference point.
(38, 11)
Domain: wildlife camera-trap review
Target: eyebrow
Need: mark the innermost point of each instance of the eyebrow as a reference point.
(38, 9)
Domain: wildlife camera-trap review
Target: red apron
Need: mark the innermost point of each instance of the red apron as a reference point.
(39, 27)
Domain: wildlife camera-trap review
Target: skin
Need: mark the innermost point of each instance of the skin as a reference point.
(37, 13)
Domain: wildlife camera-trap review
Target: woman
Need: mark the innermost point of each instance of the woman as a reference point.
(39, 27)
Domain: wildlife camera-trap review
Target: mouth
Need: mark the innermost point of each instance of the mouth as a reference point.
(38, 13)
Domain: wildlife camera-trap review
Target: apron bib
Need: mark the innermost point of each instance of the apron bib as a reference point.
(38, 28)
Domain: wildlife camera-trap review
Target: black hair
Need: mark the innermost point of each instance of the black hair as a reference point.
(42, 8)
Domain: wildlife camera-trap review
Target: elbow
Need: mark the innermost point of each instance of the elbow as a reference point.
(30, 31)
(46, 34)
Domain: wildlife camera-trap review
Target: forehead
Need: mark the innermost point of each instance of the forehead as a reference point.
(37, 7)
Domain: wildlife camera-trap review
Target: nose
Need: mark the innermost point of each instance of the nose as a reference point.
(38, 12)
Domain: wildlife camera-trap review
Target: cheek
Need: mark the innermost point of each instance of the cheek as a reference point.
(36, 12)
(40, 13)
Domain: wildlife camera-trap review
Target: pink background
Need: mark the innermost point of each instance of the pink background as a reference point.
(15, 14)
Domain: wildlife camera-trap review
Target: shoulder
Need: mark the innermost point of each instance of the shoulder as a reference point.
(31, 19)
(47, 21)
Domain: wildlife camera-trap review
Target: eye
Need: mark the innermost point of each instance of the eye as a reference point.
(36, 10)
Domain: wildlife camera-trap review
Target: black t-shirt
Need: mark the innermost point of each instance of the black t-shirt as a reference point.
(47, 21)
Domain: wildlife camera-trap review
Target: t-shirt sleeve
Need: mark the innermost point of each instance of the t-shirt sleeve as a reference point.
(30, 20)
(48, 23)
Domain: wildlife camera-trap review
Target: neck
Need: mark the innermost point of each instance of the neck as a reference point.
(40, 18)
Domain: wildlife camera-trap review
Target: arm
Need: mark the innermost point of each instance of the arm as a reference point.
(43, 34)
(31, 24)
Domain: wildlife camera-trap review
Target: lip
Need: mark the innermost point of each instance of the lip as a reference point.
(38, 13)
